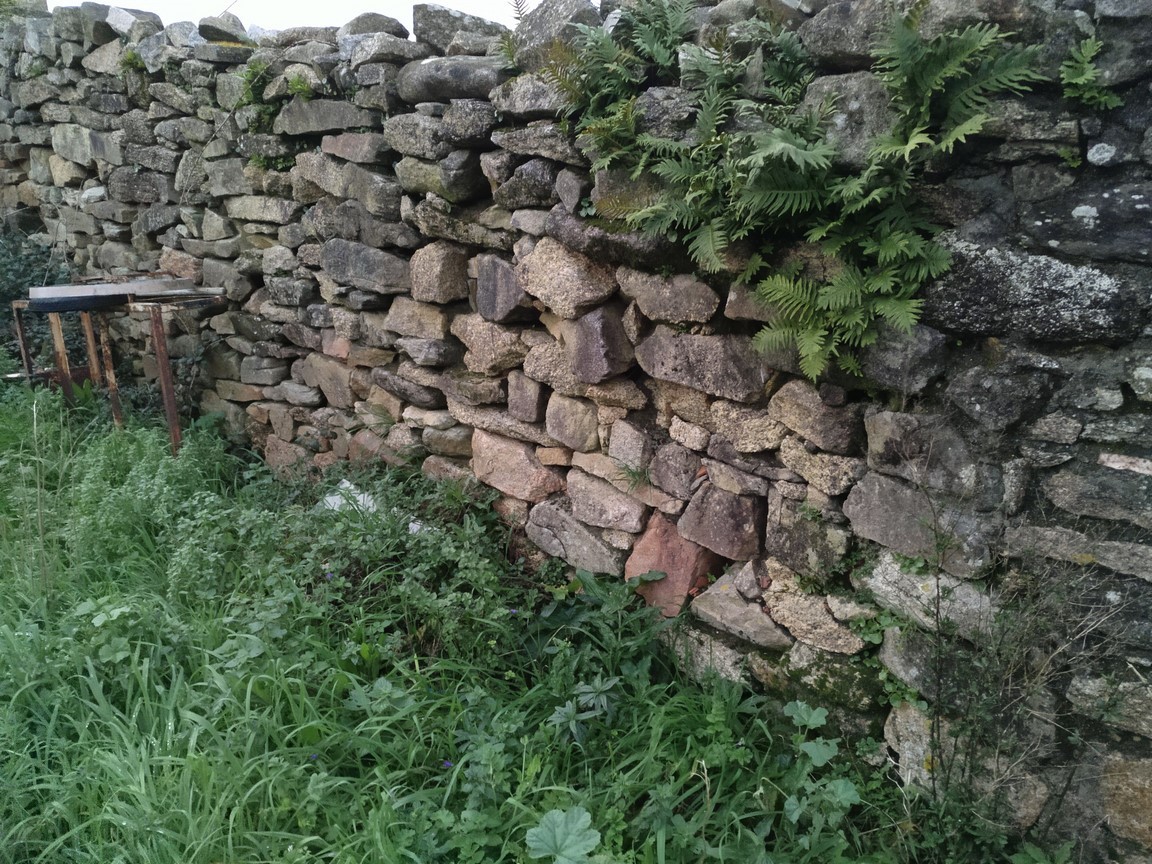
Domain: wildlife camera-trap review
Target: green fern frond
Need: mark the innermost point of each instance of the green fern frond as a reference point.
(706, 245)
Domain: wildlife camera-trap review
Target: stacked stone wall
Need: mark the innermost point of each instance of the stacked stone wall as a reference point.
(396, 226)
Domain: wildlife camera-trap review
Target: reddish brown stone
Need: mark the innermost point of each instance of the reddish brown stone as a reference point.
(280, 454)
(686, 565)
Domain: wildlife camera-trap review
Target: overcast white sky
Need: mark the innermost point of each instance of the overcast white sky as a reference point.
(278, 14)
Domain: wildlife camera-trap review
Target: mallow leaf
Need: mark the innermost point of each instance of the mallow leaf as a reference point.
(566, 835)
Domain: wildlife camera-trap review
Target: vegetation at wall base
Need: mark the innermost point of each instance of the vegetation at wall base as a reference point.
(199, 664)
(757, 168)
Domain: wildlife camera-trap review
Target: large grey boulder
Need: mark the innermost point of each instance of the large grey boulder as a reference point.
(550, 22)
(386, 48)
(679, 299)
(360, 266)
(993, 291)
(310, 116)
(530, 96)
(438, 26)
(442, 79)
(416, 135)
(723, 365)
(1099, 219)
(373, 22)
(567, 282)
(843, 35)
(225, 27)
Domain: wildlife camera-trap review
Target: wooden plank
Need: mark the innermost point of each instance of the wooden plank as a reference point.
(110, 370)
(164, 370)
(141, 287)
(63, 369)
(18, 307)
(94, 371)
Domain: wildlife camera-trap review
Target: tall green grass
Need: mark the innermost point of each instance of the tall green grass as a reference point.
(198, 666)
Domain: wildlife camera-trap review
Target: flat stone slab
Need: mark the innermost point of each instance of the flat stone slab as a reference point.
(726, 365)
(553, 528)
(722, 607)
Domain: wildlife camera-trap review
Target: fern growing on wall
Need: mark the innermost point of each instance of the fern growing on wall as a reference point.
(757, 169)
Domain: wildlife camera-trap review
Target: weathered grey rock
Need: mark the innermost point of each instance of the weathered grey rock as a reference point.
(439, 273)
(492, 348)
(310, 116)
(597, 502)
(455, 442)
(962, 604)
(549, 22)
(836, 429)
(1126, 787)
(104, 60)
(369, 147)
(512, 467)
(677, 299)
(532, 184)
(540, 138)
(267, 371)
(908, 520)
(995, 291)
(630, 446)
(416, 135)
(184, 131)
(226, 177)
(457, 178)
(832, 475)
(499, 421)
(412, 318)
(431, 352)
(222, 28)
(499, 296)
(596, 345)
(409, 391)
(724, 365)
(441, 79)
(1000, 397)
(632, 248)
(722, 607)
(569, 283)
(373, 22)
(1125, 704)
(928, 452)
(437, 26)
(573, 422)
(262, 208)
(673, 469)
(861, 114)
(530, 96)
(386, 48)
(730, 525)
(464, 225)
(843, 35)
(905, 362)
(225, 54)
(468, 122)
(553, 528)
(1064, 544)
(1101, 220)
(812, 547)
(1103, 494)
(472, 44)
(363, 267)
(380, 195)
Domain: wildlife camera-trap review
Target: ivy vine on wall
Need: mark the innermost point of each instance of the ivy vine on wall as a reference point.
(757, 170)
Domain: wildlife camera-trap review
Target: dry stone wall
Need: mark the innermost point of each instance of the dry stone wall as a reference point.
(396, 224)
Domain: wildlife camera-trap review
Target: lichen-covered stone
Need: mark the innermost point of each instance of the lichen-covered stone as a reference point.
(1103, 494)
(567, 282)
(492, 348)
(553, 528)
(861, 114)
(923, 597)
(441, 79)
(906, 519)
(677, 299)
(723, 607)
(993, 291)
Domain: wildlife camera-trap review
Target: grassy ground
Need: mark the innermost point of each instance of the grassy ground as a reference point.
(199, 666)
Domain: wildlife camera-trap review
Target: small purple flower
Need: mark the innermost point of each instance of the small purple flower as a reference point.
(447, 763)
(313, 757)
(329, 576)
(513, 611)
